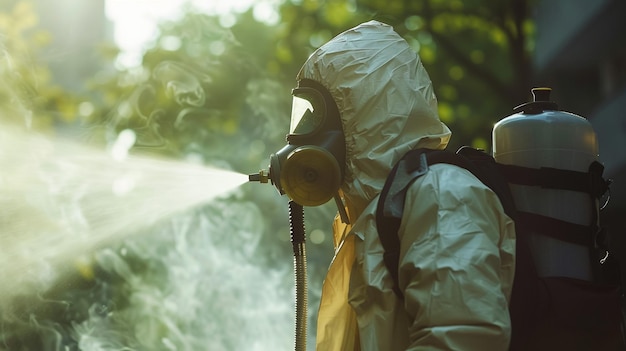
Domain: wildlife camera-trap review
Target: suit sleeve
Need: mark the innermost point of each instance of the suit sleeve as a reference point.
(457, 263)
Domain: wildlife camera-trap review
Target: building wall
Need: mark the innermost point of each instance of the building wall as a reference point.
(78, 28)
(581, 54)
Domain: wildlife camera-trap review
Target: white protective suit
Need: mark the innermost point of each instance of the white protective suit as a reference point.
(457, 245)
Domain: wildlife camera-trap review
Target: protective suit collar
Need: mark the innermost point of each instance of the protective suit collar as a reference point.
(386, 101)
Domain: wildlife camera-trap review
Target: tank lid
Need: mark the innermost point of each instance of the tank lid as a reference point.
(541, 102)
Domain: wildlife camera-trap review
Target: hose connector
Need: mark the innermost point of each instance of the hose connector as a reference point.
(261, 177)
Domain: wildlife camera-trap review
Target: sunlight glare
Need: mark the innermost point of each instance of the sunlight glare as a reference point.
(135, 21)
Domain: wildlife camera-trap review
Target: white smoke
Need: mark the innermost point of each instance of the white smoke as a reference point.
(151, 266)
(205, 290)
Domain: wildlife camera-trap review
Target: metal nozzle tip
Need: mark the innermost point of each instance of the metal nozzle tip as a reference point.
(261, 177)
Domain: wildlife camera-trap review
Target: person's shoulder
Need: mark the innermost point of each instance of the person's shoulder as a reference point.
(446, 181)
(451, 177)
(447, 186)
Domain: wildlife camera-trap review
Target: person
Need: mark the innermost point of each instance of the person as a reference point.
(457, 245)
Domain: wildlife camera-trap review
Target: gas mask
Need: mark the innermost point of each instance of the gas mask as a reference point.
(310, 168)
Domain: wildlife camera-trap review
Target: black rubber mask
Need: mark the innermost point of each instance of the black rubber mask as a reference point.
(310, 168)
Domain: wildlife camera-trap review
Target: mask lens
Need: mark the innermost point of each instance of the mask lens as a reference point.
(307, 111)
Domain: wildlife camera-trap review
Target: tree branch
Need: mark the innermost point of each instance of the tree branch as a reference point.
(500, 88)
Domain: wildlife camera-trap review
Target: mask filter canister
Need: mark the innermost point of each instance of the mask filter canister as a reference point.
(310, 175)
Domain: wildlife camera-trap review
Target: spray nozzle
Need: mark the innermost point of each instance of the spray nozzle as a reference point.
(261, 177)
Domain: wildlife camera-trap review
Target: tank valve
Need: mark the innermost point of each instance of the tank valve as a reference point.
(261, 177)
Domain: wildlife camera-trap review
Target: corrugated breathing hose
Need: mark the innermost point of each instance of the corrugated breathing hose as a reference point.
(296, 224)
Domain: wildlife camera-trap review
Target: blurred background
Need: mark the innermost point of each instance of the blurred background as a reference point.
(208, 83)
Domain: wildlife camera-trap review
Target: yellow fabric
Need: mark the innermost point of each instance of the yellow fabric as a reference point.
(457, 244)
(336, 322)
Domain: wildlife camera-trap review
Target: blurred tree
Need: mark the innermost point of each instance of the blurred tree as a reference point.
(217, 92)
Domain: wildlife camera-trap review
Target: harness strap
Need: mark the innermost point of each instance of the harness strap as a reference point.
(590, 182)
(391, 205)
(555, 228)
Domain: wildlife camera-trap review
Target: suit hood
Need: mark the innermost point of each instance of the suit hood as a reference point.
(386, 103)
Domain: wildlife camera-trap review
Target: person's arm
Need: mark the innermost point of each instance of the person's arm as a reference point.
(457, 262)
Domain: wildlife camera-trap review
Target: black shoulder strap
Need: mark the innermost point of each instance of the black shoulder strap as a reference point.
(391, 205)
(590, 182)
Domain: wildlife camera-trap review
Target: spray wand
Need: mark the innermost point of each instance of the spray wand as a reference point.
(261, 177)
